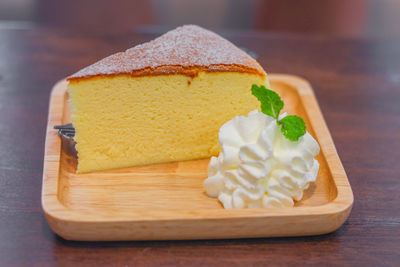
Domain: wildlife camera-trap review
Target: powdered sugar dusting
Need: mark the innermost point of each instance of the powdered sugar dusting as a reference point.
(186, 46)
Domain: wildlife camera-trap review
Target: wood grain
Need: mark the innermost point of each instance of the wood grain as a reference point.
(167, 201)
(356, 82)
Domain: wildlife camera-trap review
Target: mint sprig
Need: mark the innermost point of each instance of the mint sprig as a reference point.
(271, 103)
(292, 126)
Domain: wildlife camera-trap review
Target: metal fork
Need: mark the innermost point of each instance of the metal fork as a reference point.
(67, 130)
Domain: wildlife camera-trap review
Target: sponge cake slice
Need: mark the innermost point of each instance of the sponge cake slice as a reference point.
(161, 101)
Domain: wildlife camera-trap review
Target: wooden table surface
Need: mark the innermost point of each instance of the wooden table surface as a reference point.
(357, 84)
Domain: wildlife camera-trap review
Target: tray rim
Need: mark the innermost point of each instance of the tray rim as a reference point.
(56, 213)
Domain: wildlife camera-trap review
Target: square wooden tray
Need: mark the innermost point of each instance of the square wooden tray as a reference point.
(167, 201)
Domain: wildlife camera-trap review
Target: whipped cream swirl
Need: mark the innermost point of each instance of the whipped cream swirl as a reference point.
(258, 167)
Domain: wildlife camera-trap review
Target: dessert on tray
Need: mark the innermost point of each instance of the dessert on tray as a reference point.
(161, 101)
(166, 100)
(188, 94)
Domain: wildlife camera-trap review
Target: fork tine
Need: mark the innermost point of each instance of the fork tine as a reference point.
(67, 130)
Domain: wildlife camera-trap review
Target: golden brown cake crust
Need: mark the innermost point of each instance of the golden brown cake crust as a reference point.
(185, 50)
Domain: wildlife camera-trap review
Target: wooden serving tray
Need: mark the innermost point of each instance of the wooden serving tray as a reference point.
(167, 201)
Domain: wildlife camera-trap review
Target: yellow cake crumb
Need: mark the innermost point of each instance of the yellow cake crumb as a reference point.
(123, 121)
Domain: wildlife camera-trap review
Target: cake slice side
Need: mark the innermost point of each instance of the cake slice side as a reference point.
(124, 121)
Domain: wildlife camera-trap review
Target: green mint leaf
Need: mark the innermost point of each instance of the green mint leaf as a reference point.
(271, 103)
(292, 127)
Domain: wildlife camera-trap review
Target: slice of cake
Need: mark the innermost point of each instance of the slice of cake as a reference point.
(160, 101)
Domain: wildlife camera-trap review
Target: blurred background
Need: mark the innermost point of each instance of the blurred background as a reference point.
(339, 18)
